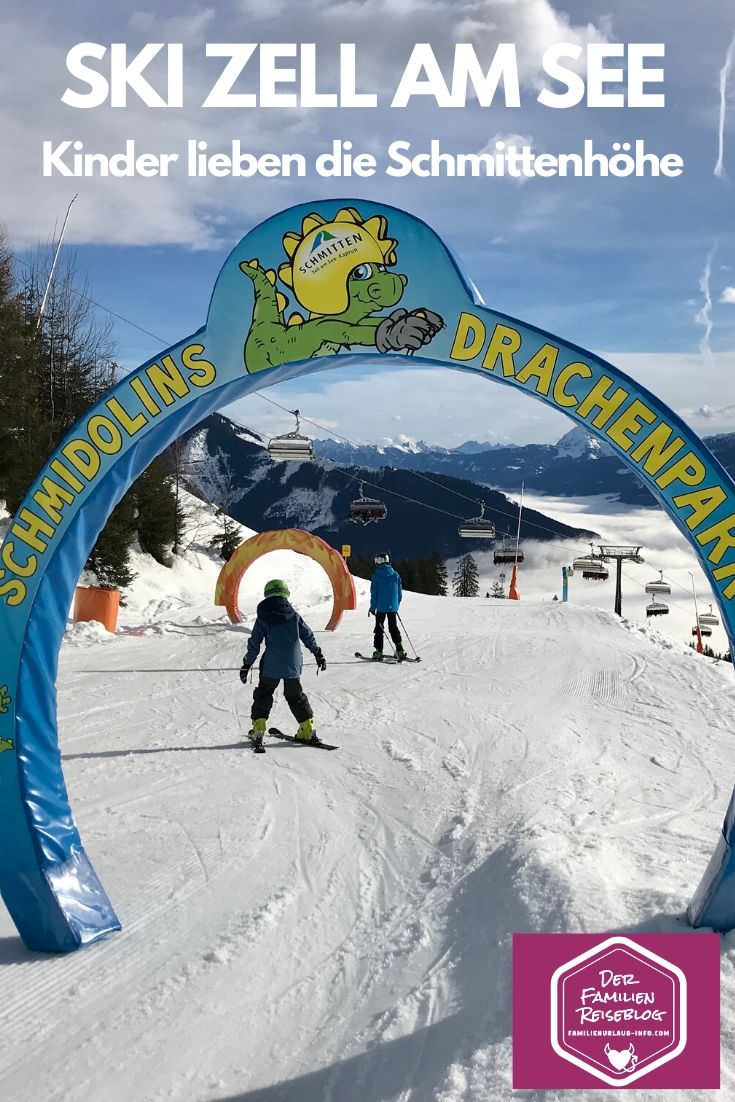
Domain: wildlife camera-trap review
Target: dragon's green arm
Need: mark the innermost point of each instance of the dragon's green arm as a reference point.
(336, 331)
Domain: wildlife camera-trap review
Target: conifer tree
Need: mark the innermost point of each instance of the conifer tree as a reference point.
(440, 575)
(22, 433)
(466, 580)
(110, 557)
(159, 516)
(426, 576)
(51, 371)
(226, 541)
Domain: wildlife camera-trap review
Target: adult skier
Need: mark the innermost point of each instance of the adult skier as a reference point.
(386, 591)
(279, 625)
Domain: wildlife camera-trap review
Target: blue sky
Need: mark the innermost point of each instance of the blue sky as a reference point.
(614, 265)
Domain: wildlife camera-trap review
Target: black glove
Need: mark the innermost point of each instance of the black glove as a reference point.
(321, 662)
(245, 674)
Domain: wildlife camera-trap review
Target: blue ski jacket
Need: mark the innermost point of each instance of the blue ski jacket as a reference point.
(282, 629)
(386, 589)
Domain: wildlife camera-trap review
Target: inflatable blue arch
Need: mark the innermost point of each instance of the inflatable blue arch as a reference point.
(316, 286)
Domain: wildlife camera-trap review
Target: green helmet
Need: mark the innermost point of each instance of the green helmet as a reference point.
(276, 588)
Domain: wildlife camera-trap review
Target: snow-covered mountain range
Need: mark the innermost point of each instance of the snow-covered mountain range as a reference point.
(578, 465)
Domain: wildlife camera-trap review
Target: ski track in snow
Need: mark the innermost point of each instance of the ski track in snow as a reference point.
(306, 927)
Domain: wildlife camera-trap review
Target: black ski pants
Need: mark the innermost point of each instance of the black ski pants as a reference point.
(379, 632)
(296, 698)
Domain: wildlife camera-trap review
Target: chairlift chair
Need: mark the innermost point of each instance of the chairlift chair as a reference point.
(702, 630)
(581, 561)
(292, 446)
(659, 586)
(507, 552)
(504, 552)
(364, 510)
(709, 619)
(657, 608)
(478, 528)
(595, 571)
(592, 567)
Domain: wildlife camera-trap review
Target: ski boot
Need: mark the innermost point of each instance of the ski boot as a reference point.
(306, 732)
(377, 656)
(256, 735)
(400, 654)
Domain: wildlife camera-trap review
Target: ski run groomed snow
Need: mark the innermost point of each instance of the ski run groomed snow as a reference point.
(303, 927)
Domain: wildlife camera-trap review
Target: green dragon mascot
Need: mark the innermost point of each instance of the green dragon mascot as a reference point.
(339, 273)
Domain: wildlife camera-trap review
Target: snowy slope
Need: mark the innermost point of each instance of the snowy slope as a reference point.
(311, 927)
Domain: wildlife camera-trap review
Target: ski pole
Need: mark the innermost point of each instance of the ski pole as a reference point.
(400, 621)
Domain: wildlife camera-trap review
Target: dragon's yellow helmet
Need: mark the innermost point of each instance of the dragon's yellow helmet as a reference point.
(322, 256)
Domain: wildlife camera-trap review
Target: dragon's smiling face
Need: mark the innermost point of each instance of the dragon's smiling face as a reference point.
(374, 286)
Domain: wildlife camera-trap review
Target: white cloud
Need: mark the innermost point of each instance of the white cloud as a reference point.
(510, 141)
(176, 28)
(129, 211)
(703, 316)
(724, 90)
(184, 210)
(518, 140)
(533, 25)
(710, 413)
(728, 296)
(447, 407)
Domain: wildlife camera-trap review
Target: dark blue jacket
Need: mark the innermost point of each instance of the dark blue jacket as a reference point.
(385, 589)
(283, 630)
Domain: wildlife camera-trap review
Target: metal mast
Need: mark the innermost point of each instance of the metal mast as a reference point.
(620, 555)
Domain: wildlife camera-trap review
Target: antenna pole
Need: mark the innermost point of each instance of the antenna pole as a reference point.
(50, 280)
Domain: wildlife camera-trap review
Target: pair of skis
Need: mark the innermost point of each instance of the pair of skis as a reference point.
(316, 743)
(386, 658)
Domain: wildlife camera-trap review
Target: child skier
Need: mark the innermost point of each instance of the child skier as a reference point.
(283, 630)
(386, 591)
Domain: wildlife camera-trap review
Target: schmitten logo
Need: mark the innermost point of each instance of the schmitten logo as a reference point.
(591, 1010)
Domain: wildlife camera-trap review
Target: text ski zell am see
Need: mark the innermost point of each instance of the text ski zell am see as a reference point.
(287, 75)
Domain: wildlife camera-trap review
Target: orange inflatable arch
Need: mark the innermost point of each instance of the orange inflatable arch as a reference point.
(289, 539)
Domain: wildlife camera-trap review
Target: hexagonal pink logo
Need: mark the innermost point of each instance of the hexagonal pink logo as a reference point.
(612, 1010)
(618, 1010)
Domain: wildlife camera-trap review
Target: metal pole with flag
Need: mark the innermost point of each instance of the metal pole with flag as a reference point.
(700, 648)
(513, 593)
